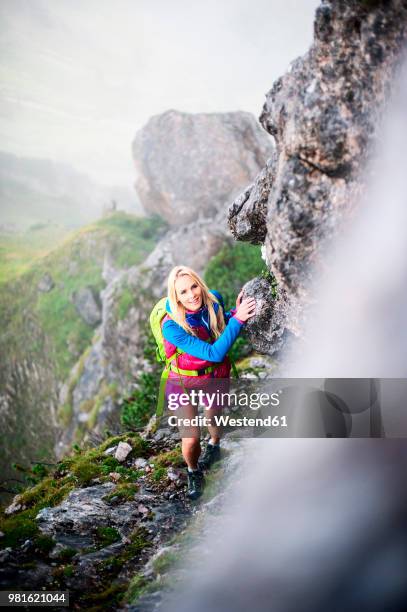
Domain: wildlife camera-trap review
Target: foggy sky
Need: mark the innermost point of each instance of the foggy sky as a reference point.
(80, 77)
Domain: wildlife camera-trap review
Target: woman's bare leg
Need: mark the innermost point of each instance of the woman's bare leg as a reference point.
(191, 450)
(214, 430)
(190, 443)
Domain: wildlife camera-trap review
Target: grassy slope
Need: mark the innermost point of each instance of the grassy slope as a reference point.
(76, 263)
(19, 250)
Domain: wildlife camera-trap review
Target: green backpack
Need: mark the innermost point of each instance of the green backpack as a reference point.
(156, 316)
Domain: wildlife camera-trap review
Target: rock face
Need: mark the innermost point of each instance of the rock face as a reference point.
(190, 165)
(323, 114)
(87, 305)
(267, 307)
(46, 283)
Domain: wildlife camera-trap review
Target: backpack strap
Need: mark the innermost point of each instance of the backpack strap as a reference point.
(163, 381)
(234, 368)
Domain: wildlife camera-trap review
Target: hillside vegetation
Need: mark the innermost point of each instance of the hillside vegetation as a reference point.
(44, 334)
(18, 250)
(72, 265)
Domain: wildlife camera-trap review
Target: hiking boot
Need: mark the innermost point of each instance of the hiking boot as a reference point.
(195, 484)
(211, 454)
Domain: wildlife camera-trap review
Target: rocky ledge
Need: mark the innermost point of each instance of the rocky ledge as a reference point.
(95, 521)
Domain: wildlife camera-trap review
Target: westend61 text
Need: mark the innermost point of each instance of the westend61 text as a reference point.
(196, 397)
(226, 420)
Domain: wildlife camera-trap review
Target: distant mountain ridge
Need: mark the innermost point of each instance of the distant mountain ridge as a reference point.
(40, 190)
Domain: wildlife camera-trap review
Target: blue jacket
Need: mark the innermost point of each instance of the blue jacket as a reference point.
(196, 347)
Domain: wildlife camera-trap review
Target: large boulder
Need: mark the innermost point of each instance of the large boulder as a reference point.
(189, 165)
(324, 114)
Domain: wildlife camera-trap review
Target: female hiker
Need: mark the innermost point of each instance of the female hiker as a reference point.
(198, 333)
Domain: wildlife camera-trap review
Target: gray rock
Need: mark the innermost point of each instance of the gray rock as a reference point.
(5, 554)
(56, 551)
(82, 508)
(46, 283)
(173, 474)
(203, 160)
(160, 435)
(15, 506)
(85, 508)
(178, 248)
(248, 213)
(122, 451)
(82, 417)
(90, 379)
(88, 306)
(266, 328)
(324, 114)
(110, 451)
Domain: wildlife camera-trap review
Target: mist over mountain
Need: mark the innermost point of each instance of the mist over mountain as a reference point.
(36, 191)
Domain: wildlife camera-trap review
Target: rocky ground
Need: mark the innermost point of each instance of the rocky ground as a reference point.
(109, 523)
(102, 533)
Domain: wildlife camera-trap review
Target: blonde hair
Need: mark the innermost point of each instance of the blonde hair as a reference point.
(178, 312)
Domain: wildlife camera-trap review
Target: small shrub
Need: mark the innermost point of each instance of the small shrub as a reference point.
(231, 268)
(68, 571)
(44, 543)
(85, 471)
(18, 528)
(138, 408)
(67, 553)
(170, 458)
(107, 535)
(227, 272)
(159, 473)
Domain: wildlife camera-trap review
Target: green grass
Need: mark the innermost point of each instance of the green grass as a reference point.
(107, 535)
(138, 408)
(19, 250)
(166, 561)
(231, 268)
(123, 492)
(159, 474)
(126, 300)
(172, 458)
(227, 272)
(138, 236)
(72, 472)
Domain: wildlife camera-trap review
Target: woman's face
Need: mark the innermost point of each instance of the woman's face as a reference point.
(189, 293)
